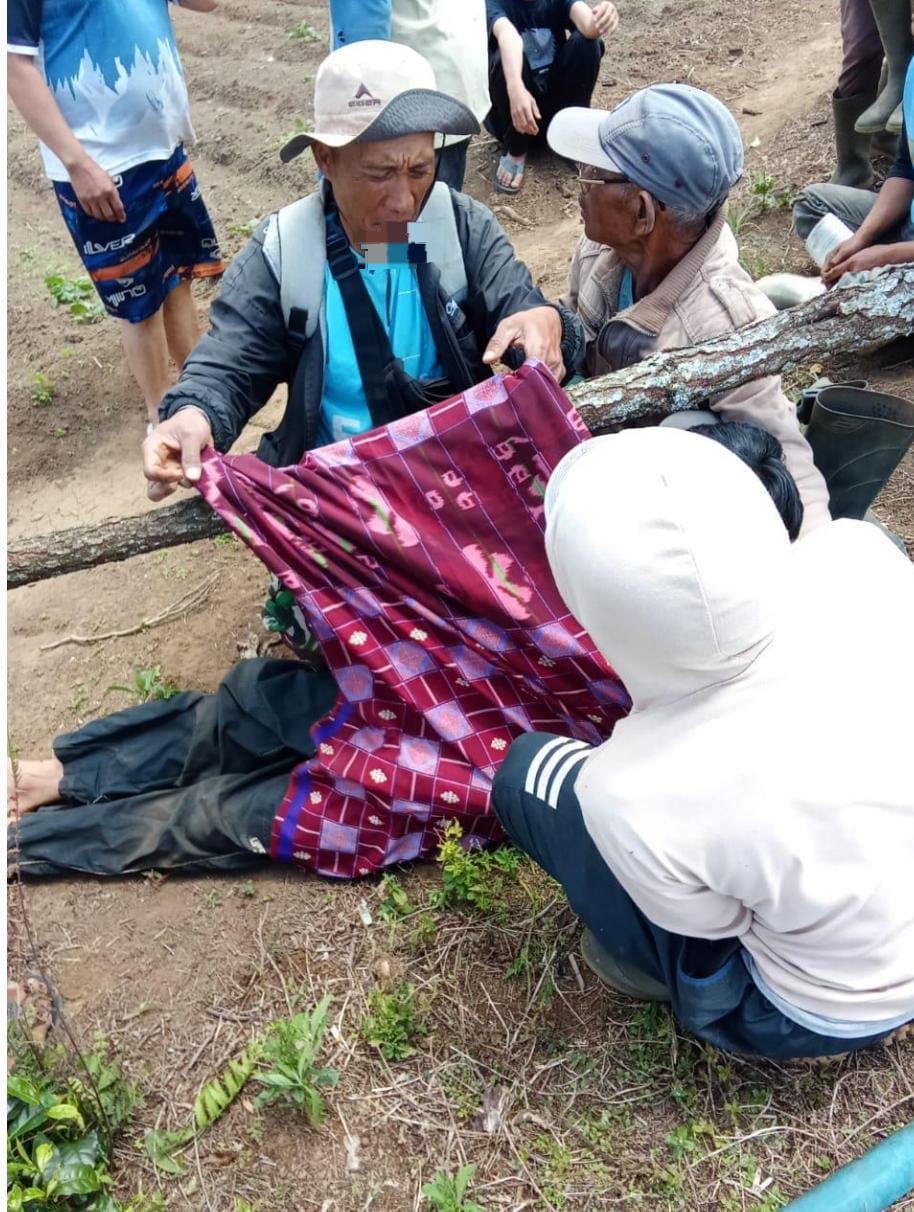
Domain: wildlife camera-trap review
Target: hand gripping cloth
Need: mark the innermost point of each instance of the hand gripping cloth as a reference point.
(415, 553)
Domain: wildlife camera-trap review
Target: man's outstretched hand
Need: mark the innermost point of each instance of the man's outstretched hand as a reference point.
(538, 332)
(171, 453)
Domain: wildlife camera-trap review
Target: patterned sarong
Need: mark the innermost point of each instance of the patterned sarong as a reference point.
(416, 555)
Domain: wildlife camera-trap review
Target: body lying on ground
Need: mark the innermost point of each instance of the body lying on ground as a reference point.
(741, 845)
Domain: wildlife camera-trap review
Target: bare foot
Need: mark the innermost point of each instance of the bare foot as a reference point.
(34, 784)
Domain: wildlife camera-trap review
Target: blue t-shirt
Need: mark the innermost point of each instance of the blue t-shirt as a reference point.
(394, 290)
(904, 160)
(626, 290)
(114, 70)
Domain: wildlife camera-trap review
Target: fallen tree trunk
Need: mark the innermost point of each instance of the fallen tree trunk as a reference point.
(858, 317)
(868, 312)
(51, 555)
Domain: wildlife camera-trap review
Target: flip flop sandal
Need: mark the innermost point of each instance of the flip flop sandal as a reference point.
(516, 170)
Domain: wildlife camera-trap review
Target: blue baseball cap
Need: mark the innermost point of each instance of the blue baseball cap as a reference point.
(677, 142)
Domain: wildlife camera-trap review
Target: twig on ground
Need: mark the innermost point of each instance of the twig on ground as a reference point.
(187, 602)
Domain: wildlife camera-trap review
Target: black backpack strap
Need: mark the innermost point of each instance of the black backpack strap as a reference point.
(372, 346)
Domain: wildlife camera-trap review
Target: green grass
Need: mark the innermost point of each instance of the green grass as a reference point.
(149, 686)
(304, 32)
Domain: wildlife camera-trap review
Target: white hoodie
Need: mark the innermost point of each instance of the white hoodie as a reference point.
(763, 785)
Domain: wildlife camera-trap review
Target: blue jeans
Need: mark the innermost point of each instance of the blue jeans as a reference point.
(710, 988)
(358, 20)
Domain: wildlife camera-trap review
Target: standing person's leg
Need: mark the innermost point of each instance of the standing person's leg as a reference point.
(190, 248)
(182, 329)
(573, 75)
(146, 350)
(707, 981)
(858, 84)
(358, 20)
(861, 50)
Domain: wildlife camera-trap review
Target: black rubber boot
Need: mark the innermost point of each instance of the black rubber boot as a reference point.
(852, 148)
(622, 977)
(858, 438)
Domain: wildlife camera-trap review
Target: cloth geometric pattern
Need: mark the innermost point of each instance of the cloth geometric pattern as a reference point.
(416, 554)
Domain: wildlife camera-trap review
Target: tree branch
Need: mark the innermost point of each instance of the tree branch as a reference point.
(866, 312)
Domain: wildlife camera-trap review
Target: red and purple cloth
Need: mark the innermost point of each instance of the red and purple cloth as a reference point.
(416, 554)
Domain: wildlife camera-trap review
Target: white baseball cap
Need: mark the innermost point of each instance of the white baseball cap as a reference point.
(373, 90)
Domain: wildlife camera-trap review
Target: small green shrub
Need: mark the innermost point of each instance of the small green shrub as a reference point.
(60, 1126)
(394, 1023)
(448, 1192)
(289, 1072)
(304, 32)
(475, 879)
(77, 295)
(42, 389)
(149, 685)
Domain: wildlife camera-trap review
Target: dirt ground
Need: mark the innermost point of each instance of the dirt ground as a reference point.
(562, 1094)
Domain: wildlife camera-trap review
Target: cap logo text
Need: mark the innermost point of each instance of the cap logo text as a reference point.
(363, 99)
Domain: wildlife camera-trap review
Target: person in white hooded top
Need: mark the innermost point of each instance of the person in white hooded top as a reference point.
(741, 846)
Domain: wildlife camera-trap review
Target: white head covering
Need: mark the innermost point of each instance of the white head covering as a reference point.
(669, 551)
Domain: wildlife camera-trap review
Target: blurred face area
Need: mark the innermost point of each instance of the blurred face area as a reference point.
(615, 212)
(379, 187)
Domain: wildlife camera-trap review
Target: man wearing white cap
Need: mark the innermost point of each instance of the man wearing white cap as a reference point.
(373, 297)
(658, 267)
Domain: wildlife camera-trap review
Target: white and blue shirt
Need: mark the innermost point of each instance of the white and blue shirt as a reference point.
(114, 70)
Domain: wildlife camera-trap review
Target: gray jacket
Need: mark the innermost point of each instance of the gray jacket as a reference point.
(248, 349)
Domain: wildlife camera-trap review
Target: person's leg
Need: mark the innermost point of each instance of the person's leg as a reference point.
(192, 781)
(358, 20)
(850, 205)
(510, 172)
(219, 823)
(190, 247)
(708, 982)
(146, 350)
(452, 164)
(861, 50)
(182, 330)
(573, 75)
(262, 712)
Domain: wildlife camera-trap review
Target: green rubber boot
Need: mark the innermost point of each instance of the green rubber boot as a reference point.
(622, 977)
(858, 438)
(893, 20)
(852, 148)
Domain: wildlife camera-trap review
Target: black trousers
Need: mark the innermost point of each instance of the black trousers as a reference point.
(570, 80)
(191, 782)
(710, 988)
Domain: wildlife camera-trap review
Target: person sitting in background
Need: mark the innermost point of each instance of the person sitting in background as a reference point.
(544, 55)
(740, 846)
(452, 37)
(658, 267)
(882, 224)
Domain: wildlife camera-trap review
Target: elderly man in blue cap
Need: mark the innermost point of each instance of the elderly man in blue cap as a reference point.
(658, 267)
